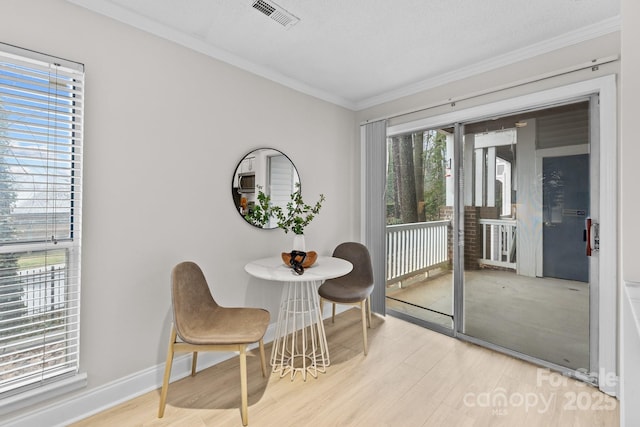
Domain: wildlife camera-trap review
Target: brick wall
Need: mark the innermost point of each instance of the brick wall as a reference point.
(472, 238)
(446, 212)
(472, 232)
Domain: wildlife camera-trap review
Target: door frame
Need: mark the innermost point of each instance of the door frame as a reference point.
(606, 130)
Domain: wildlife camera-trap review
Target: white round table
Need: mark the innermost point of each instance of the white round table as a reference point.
(300, 343)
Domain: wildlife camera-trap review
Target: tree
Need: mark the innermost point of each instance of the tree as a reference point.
(407, 181)
(393, 179)
(435, 169)
(416, 177)
(11, 304)
(418, 140)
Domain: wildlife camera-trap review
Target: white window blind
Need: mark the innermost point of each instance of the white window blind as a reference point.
(41, 124)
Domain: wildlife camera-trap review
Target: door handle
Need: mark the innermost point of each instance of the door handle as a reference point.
(587, 235)
(592, 236)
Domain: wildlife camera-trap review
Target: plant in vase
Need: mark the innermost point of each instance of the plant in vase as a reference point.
(294, 217)
(260, 213)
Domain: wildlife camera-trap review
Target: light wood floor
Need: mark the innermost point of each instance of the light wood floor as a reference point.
(411, 377)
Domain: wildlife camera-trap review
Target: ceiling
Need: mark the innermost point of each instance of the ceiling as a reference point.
(359, 53)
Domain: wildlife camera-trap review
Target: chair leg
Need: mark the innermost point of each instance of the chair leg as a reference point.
(194, 363)
(167, 373)
(321, 308)
(363, 309)
(263, 362)
(243, 384)
(333, 313)
(369, 310)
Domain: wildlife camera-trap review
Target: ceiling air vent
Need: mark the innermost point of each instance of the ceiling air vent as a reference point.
(275, 12)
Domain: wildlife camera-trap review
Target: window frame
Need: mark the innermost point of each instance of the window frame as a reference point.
(68, 377)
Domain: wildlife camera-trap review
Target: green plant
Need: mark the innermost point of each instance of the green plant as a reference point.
(260, 213)
(294, 217)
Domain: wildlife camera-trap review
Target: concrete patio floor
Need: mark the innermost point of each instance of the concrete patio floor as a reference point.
(545, 318)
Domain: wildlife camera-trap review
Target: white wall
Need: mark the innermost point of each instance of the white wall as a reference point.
(562, 59)
(629, 147)
(630, 154)
(529, 217)
(165, 129)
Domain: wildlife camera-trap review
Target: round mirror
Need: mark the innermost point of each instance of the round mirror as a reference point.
(265, 170)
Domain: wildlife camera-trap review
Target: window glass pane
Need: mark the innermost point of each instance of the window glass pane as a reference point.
(526, 271)
(38, 153)
(40, 185)
(419, 281)
(37, 309)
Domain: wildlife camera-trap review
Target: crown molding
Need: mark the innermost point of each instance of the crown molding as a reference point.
(599, 29)
(143, 23)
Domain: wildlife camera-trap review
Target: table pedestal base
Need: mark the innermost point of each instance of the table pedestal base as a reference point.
(300, 344)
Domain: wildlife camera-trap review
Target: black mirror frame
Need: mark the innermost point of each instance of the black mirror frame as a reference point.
(237, 192)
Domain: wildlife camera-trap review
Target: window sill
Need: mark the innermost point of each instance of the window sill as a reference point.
(40, 394)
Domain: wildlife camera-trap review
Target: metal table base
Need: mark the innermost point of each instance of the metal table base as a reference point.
(300, 344)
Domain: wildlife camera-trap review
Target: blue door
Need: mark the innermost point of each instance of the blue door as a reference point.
(565, 200)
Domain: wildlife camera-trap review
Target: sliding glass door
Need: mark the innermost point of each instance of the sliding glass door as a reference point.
(419, 213)
(487, 229)
(529, 203)
(527, 200)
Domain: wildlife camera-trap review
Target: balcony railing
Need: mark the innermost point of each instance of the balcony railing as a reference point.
(415, 248)
(498, 242)
(44, 288)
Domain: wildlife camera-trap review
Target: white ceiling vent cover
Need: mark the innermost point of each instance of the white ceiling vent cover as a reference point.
(276, 13)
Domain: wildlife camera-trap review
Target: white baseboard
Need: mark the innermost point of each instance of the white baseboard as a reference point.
(99, 399)
(90, 402)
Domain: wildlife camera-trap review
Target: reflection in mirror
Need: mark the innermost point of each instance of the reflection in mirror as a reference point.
(267, 170)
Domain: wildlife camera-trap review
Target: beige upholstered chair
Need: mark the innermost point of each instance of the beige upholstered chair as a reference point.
(355, 287)
(203, 325)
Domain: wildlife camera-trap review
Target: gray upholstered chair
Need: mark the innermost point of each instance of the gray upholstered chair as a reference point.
(203, 325)
(355, 287)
